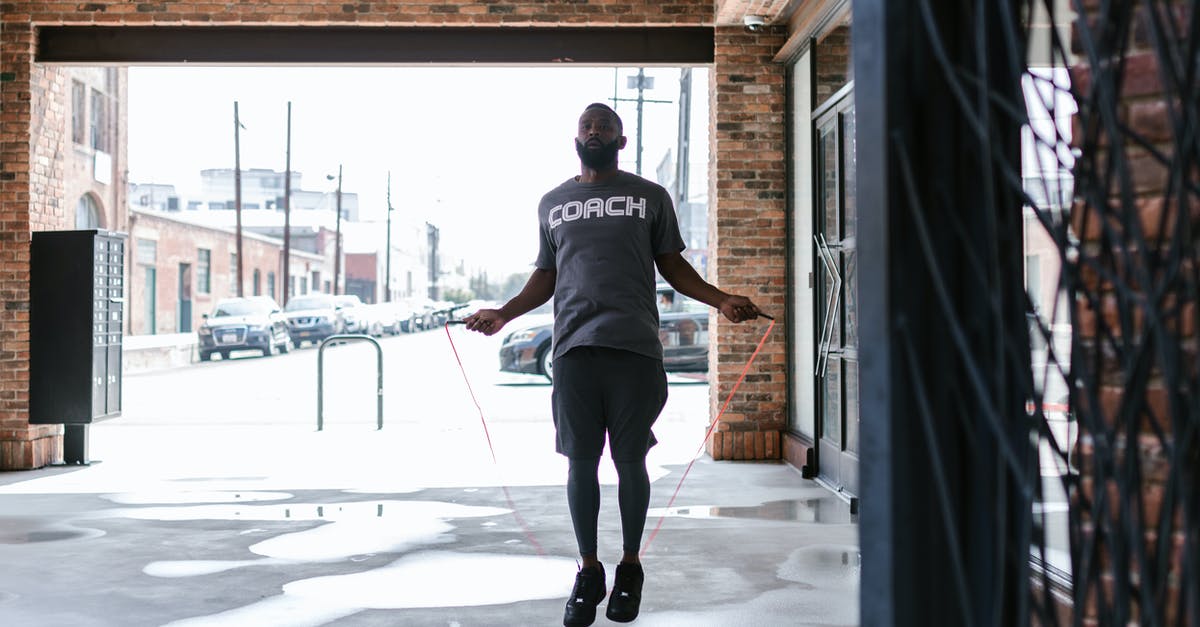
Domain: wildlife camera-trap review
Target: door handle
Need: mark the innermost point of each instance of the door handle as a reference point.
(831, 302)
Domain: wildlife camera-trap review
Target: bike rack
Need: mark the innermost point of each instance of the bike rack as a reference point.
(343, 338)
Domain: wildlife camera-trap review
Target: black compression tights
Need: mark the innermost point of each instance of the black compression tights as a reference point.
(583, 498)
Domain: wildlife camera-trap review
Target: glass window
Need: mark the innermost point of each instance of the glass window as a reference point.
(832, 64)
(257, 282)
(87, 214)
(240, 307)
(204, 270)
(147, 252)
(271, 284)
(78, 112)
(99, 121)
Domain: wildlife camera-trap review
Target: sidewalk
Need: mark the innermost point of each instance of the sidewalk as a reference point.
(278, 525)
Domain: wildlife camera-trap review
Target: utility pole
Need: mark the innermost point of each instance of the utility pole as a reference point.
(684, 142)
(641, 82)
(237, 190)
(337, 244)
(287, 211)
(387, 281)
(641, 86)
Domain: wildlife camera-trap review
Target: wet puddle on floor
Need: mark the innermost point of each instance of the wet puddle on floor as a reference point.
(29, 531)
(823, 566)
(184, 497)
(422, 580)
(353, 510)
(354, 530)
(817, 510)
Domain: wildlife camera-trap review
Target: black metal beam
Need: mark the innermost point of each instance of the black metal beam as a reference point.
(945, 441)
(879, 513)
(333, 45)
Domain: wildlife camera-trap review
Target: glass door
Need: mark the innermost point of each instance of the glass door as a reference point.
(185, 298)
(836, 264)
(151, 311)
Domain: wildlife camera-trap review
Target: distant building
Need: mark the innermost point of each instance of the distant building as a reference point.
(96, 161)
(263, 189)
(179, 269)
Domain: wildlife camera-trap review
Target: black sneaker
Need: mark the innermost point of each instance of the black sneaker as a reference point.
(588, 592)
(626, 593)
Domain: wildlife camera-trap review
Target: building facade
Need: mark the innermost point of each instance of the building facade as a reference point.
(180, 269)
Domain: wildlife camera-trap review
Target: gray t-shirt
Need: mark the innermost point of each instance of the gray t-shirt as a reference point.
(601, 239)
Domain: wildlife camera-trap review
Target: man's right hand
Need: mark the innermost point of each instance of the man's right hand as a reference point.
(485, 321)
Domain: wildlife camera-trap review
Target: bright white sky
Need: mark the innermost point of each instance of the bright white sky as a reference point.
(470, 149)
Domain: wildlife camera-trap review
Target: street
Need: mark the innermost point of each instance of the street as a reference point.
(429, 418)
(422, 385)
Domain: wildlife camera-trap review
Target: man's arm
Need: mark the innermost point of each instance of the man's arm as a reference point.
(538, 289)
(684, 278)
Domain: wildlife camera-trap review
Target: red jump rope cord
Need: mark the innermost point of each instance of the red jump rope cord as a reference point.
(708, 434)
(507, 497)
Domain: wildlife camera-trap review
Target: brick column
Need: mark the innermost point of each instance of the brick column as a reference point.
(748, 238)
(30, 176)
(1130, 421)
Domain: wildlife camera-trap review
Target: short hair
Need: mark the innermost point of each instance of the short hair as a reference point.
(610, 110)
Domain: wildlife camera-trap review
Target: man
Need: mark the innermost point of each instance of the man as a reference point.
(602, 234)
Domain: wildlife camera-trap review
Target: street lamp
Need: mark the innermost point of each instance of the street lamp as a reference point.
(337, 255)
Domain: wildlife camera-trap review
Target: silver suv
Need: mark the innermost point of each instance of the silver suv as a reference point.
(312, 318)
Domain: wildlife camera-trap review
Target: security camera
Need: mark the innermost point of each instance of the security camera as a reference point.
(754, 23)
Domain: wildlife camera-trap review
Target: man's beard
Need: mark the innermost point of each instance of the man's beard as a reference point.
(598, 158)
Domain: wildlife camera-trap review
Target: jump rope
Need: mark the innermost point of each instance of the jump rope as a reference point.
(671, 502)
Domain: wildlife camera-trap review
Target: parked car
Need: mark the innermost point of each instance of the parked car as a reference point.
(312, 318)
(381, 318)
(407, 314)
(354, 319)
(682, 327)
(253, 323)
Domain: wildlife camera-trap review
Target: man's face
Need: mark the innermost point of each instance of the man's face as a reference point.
(598, 140)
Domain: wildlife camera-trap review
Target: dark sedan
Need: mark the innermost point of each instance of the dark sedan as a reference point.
(682, 327)
(235, 324)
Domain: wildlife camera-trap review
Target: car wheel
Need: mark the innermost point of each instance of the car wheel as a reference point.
(224, 354)
(545, 363)
(285, 346)
(269, 349)
(205, 356)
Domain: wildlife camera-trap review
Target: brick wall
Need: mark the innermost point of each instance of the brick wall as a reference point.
(1134, 427)
(405, 13)
(748, 238)
(177, 242)
(32, 175)
(32, 182)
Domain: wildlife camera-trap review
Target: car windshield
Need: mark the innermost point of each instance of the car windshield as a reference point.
(238, 308)
(348, 301)
(669, 301)
(301, 303)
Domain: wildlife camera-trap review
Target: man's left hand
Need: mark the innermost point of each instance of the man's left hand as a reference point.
(739, 309)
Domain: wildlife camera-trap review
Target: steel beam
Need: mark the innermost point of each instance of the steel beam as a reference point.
(334, 45)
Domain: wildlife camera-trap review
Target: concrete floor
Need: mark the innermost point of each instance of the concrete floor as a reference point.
(281, 525)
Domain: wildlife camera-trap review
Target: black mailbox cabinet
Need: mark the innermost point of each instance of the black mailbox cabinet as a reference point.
(76, 313)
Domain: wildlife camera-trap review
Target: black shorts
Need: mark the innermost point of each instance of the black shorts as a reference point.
(598, 390)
